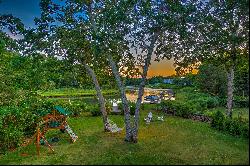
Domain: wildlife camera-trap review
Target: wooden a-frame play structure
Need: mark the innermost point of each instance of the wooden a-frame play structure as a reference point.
(57, 119)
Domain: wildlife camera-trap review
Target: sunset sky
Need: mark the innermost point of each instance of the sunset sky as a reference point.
(163, 68)
(27, 10)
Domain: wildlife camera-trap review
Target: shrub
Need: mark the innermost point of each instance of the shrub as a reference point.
(218, 120)
(244, 128)
(241, 102)
(180, 109)
(222, 102)
(94, 109)
(132, 107)
(15, 123)
(183, 109)
(120, 107)
(235, 127)
(212, 102)
(109, 107)
(202, 102)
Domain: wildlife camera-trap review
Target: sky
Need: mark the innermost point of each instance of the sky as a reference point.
(27, 10)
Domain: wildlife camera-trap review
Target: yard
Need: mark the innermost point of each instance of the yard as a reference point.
(174, 141)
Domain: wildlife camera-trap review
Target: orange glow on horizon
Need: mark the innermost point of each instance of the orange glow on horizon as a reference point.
(162, 68)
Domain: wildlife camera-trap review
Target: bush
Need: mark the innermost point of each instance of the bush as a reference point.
(183, 109)
(75, 108)
(218, 120)
(94, 109)
(212, 102)
(202, 102)
(241, 102)
(109, 107)
(222, 102)
(15, 124)
(180, 109)
(132, 107)
(235, 127)
(120, 107)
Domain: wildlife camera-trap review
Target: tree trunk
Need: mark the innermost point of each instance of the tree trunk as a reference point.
(99, 95)
(125, 105)
(230, 79)
(141, 87)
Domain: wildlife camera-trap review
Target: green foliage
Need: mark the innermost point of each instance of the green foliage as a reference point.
(166, 86)
(37, 72)
(120, 106)
(218, 120)
(155, 80)
(198, 100)
(212, 102)
(132, 106)
(94, 109)
(241, 102)
(178, 108)
(241, 80)
(109, 107)
(188, 80)
(212, 79)
(171, 142)
(132, 81)
(73, 92)
(15, 124)
(235, 126)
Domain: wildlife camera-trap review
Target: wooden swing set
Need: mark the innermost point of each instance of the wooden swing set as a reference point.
(57, 119)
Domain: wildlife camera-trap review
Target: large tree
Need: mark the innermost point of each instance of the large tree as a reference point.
(157, 30)
(221, 35)
(63, 33)
(146, 27)
(218, 33)
(92, 32)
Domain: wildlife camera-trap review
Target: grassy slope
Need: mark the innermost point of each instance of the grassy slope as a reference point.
(174, 141)
(244, 112)
(74, 92)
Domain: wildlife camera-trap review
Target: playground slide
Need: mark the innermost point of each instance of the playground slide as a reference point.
(71, 133)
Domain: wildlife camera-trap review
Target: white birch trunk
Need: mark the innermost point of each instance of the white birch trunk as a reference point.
(230, 88)
(101, 99)
(141, 87)
(125, 105)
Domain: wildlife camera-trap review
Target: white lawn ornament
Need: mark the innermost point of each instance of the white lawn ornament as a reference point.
(114, 103)
(172, 98)
(115, 106)
(160, 118)
(149, 118)
(150, 115)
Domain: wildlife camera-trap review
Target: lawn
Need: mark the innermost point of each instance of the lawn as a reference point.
(242, 112)
(174, 141)
(71, 92)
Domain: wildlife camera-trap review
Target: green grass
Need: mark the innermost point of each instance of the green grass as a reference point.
(174, 141)
(243, 112)
(66, 92)
(183, 95)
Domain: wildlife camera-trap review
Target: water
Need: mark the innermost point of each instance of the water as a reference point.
(131, 96)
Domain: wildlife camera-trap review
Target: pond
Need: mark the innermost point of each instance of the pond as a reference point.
(131, 96)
